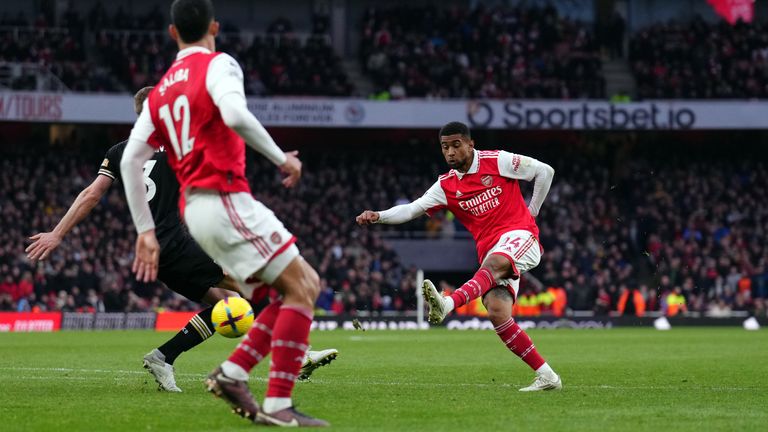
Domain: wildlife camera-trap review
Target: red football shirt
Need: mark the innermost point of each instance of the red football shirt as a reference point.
(486, 202)
(202, 150)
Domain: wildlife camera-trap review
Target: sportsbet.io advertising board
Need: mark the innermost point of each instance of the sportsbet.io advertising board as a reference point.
(416, 114)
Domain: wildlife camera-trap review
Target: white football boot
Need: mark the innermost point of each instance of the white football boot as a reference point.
(314, 360)
(550, 381)
(155, 363)
(436, 302)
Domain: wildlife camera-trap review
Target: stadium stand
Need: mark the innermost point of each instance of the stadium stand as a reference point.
(488, 52)
(532, 52)
(659, 224)
(121, 52)
(701, 60)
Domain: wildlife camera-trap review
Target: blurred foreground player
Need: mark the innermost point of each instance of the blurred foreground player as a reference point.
(184, 267)
(198, 113)
(482, 190)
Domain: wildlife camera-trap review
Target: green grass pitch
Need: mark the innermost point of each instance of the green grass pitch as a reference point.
(615, 380)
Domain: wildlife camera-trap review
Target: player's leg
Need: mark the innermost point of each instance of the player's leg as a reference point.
(230, 380)
(313, 360)
(197, 330)
(245, 237)
(499, 301)
(494, 268)
(300, 286)
(186, 269)
(499, 264)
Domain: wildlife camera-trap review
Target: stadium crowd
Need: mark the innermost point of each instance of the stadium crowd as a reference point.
(275, 63)
(488, 52)
(91, 269)
(665, 235)
(520, 51)
(104, 52)
(60, 50)
(701, 60)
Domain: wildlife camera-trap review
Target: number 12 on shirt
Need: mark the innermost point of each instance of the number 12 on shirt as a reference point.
(180, 113)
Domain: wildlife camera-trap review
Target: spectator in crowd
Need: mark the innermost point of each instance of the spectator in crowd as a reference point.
(701, 60)
(484, 52)
(678, 224)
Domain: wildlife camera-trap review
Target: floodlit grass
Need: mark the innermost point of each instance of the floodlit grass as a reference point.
(621, 379)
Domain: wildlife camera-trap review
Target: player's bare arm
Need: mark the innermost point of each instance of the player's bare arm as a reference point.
(45, 243)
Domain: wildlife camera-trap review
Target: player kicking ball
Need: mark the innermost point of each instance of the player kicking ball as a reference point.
(198, 113)
(482, 190)
(184, 267)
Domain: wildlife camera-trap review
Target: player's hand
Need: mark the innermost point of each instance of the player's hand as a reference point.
(291, 168)
(147, 256)
(42, 246)
(367, 217)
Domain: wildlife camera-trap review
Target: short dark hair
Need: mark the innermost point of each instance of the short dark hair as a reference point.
(191, 18)
(454, 128)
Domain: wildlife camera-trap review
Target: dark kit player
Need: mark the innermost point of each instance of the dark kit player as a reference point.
(184, 267)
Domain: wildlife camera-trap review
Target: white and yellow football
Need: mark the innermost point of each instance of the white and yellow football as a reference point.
(232, 317)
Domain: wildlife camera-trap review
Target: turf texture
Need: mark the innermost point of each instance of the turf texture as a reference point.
(702, 379)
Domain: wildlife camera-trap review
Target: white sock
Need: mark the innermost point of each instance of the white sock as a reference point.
(273, 404)
(546, 370)
(448, 304)
(159, 354)
(234, 371)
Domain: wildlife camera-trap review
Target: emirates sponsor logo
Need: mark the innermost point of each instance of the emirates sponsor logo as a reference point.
(483, 202)
(486, 181)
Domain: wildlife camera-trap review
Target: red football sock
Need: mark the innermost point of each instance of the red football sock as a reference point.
(257, 343)
(289, 343)
(519, 343)
(480, 283)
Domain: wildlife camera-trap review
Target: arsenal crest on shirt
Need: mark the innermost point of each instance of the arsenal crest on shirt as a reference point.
(486, 180)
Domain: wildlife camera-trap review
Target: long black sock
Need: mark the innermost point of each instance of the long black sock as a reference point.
(198, 329)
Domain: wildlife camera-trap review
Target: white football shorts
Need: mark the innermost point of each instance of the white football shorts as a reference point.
(241, 234)
(522, 249)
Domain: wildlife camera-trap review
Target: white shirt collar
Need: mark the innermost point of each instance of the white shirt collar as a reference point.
(191, 50)
(472, 168)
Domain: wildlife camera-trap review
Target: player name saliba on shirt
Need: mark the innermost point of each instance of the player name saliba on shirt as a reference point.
(483, 202)
(180, 75)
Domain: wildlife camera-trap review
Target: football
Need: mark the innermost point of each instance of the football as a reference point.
(232, 317)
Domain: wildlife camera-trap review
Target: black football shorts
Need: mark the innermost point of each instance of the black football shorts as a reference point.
(186, 269)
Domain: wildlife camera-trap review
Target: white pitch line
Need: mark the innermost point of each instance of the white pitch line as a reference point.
(196, 376)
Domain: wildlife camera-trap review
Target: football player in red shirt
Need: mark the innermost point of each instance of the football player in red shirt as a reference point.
(482, 191)
(198, 113)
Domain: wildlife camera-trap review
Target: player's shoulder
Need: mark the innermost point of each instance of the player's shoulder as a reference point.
(224, 60)
(447, 176)
(223, 66)
(488, 154)
(110, 166)
(117, 149)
